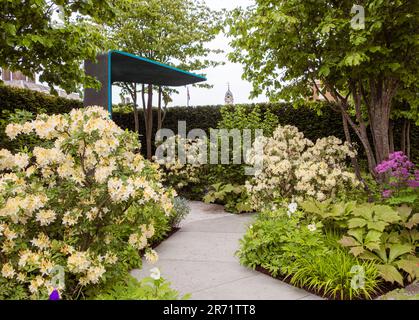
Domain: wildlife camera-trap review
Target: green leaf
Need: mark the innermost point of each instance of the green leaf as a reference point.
(358, 234)
(356, 223)
(356, 251)
(386, 213)
(397, 250)
(324, 71)
(377, 225)
(373, 236)
(410, 266)
(348, 241)
(364, 210)
(414, 220)
(390, 273)
(404, 212)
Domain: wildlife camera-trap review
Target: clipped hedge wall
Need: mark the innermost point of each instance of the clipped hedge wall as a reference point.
(306, 120)
(205, 117)
(33, 101)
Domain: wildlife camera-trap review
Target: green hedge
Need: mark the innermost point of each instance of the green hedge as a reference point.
(33, 101)
(205, 117)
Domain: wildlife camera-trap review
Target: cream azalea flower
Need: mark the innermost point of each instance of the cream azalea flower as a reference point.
(95, 273)
(70, 183)
(137, 241)
(151, 256)
(7, 271)
(78, 262)
(21, 160)
(45, 217)
(12, 130)
(42, 241)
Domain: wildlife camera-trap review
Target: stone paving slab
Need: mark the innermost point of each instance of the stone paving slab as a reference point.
(200, 259)
(258, 287)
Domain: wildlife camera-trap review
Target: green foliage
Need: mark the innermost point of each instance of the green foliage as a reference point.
(35, 39)
(169, 31)
(234, 197)
(286, 46)
(275, 242)
(130, 288)
(313, 124)
(386, 235)
(241, 117)
(137, 215)
(332, 275)
(180, 211)
(305, 254)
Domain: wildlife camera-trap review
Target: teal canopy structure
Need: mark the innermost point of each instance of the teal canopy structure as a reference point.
(118, 66)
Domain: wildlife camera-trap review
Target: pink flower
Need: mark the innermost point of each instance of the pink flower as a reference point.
(387, 193)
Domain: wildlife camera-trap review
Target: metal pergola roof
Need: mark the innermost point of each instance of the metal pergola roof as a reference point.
(119, 66)
(126, 67)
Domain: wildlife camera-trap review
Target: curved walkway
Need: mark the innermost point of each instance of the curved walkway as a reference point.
(199, 259)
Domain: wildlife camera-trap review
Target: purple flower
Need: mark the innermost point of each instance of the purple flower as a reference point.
(387, 193)
(54, 295)
(413, 183)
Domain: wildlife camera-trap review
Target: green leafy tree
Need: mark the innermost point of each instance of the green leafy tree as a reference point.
(286, 46)
(169, 31)
(53, 37)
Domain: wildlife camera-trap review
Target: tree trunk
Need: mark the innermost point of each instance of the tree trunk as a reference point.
(134, 101)
(408, 139)
(361, 131)
(159, 116)
(391, 136)
(149, 127)
(354, 161)
(403, 137)
(382, 93)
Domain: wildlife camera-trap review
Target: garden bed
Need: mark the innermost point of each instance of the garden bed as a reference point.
(383, 289)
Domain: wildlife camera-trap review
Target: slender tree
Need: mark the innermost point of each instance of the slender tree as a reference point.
(169, 31)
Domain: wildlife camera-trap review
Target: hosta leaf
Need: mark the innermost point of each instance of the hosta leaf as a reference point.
(386, 213)
(358, 234)
(356, 223)
(348, 242)
(356, 251)
(398, 249)
(410, 266)
(377, 225)
(390, 273)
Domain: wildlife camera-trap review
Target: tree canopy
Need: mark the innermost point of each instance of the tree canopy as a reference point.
(286, 46)
(53, 37)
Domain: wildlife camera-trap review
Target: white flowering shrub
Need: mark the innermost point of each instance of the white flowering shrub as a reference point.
(182, 168)
(65, 205)
(294, 166)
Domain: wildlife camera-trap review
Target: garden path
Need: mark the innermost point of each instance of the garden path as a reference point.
(199, 259)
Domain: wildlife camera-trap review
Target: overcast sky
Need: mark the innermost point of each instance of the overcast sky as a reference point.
(219, 76)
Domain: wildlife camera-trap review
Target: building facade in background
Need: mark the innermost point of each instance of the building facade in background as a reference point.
(18, 80)
(229, 99)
